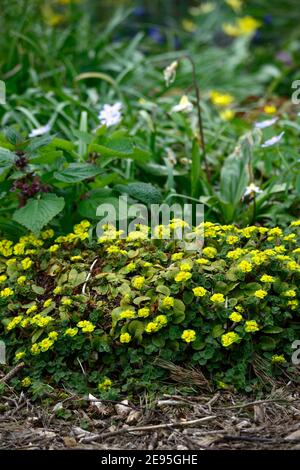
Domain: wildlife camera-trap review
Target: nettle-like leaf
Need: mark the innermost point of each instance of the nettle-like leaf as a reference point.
(143, 192)
(39, 212)
(77, 172)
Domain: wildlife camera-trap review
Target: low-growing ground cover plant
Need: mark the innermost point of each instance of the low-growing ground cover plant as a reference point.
(101, 314)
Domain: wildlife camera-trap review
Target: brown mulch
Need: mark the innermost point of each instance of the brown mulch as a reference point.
(208, 421)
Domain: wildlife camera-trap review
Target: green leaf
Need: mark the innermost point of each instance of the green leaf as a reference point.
(267, 344)
(217, 331)
(75, 278)
(273, 330)
(39, 212)
(178, 312)
(144, 192)
(7, 159)
(136, 329)
(77, 172)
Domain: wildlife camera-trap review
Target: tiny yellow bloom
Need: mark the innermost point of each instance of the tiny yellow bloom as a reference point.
(47, 303)
(71, 332)
(7, 292)
(138, 282)
(236, 317)
(278, 359)
(267, 278)
(199, 291)
(167, 302)
(245, 266)
(217, 298)
(188, 336)
(270, 109)
(260, 293)
(144, 312)
(229, 338)
(26, 382)
(105, 385)
(26, 263)
(21, 280)
(251, 326)
(183, 276)
(125, 338)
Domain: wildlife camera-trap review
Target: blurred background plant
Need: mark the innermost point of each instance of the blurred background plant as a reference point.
(62, 60)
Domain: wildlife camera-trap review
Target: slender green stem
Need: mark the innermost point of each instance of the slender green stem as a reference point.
(199, 113)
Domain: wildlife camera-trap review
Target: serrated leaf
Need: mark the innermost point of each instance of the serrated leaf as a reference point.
(77, 172)
(144, 192)
(39, 212)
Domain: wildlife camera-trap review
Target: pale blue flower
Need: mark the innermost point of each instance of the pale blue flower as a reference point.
(273, 141)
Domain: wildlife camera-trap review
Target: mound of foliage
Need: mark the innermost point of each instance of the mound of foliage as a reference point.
(91, 314)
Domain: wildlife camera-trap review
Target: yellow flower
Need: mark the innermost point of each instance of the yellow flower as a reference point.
(240, 309)
(151, 327)
(199, 291)
(229, 338)
(221, 99)
(86, 326)
(26, 263)
(35, 349)
(260, 293)
(202, 261)
(143, 312)
(251, 326)
(71, 332)
(66, 301)
(209, 252)
(295, 223)
(293, 304)
(76, 258)
(138, 282)
(227, 115)
(232, 239)
(267, 278)
(21, 280)
(245, 266)
(161, 320)
(31, 309)
(125, 338)
(47, 303)
(236, 5)
(270, 109)
(46, 234)
(3, 278)
(57, 290)
(183, 276)
(189, 26)
(105, 385)
(19, 355)
(53, 335)
(26, 382)
(217, 298)
(7, 292)
(167, 302)
(45, 344)
(127, 314)
(177, 256)
(185, 267)
(188, 336)
(236, 317)
(289, 293)
(278, 359)
(41, 321)
(244, 26)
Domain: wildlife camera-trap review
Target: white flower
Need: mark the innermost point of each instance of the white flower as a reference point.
(110, 115)
(273, 141)
(266, 123)
(184, 106)
(40, 131)
(170, 73)
(252, 189)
